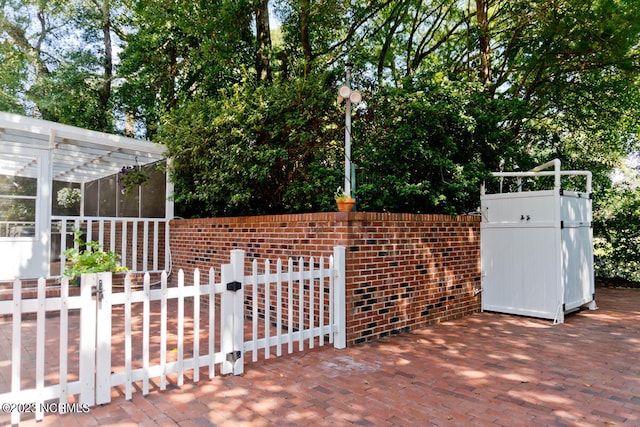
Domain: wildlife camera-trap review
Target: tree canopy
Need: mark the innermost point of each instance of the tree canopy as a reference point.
(243, 92)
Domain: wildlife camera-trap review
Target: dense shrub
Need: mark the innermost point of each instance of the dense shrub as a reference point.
(617, 231)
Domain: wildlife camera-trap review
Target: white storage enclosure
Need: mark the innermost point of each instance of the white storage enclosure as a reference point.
(537, 246)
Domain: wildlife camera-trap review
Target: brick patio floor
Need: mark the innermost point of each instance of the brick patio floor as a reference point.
(486, 369)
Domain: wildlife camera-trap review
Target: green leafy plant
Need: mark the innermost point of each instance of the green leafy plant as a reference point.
(341, 195)
(92, 259)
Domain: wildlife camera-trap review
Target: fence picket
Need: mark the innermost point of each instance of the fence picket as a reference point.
(163, 332)
(290, 304)
(267, 308)
(16, 345)
(301, 304)
(180, 328)
(127, 336)
(196, 326)
(321, 298)
(311, 301)
(254, 313)
(64, 337)
(146, 315)
(212, 323)
(40, 340)
(279, 307)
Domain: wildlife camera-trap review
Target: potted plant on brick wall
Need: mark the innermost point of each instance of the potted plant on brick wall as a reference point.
(344, 201)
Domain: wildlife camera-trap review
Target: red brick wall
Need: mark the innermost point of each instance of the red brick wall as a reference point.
(403, 271)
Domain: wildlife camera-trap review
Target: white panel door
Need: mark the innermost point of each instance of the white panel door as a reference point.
(25, 206)
(577, 251)
(519, 267)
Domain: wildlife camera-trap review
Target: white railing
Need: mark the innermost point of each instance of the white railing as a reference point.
(539, 171)
(142, 244)
(216, 312)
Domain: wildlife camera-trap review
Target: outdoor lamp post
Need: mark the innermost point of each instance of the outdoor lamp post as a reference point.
(351, 96)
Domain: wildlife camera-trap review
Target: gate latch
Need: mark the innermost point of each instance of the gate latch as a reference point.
(234, 286)
(97, 291)
(234, 356)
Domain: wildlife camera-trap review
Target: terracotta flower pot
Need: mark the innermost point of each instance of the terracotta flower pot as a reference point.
(345, 205)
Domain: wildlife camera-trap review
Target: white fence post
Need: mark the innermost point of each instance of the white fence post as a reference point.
(64, 337)
(340, 338)
(232, 315)
(87, 341)
(103, 338)
(237, 264)
(226, 320)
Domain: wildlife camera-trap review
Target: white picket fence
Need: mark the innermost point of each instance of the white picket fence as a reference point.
(302, 314)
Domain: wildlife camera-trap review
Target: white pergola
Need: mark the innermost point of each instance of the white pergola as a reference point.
(50, 152)
(76, 155)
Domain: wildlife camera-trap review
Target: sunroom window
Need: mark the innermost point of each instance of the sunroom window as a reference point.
(17, 206)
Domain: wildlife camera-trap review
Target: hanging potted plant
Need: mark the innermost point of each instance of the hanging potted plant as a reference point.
(68, 197)
(130, 177)
(344, 201)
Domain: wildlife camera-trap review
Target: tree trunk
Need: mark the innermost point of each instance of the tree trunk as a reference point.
(482, 13)
(105, 90)
(263, 42)
(304, 34)
(129, 124)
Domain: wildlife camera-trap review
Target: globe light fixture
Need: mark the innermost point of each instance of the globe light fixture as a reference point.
(344, 91)
(355, 97)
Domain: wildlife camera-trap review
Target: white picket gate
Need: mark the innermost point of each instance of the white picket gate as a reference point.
(99, 308)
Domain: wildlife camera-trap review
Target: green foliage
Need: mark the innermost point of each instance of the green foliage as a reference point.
(92, 259)
(74, 83)
(12, 74)
(257, 150)
(450, 93)
(180, 51)
(59, 59)
(617, 231)
(341, 195)
(427, 147)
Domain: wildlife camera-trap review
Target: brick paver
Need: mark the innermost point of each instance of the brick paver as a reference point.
(486, 369)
